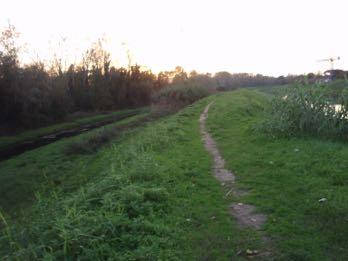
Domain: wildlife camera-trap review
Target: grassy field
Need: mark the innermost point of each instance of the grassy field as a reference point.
(36, 133)
(286, 179)
(149, 193)
(46, 168)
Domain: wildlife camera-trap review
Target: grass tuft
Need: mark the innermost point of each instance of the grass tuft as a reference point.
(92, 143)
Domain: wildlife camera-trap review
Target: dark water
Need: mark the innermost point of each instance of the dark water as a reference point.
(19, 148)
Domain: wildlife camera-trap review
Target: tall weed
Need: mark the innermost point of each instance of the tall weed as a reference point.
(308, 109)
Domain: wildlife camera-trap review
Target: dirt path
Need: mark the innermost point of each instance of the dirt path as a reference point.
(244, 214)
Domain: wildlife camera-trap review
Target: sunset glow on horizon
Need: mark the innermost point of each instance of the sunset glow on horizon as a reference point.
(269, 37)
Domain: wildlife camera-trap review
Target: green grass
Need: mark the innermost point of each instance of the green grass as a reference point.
(274, 89)
(36, 133)
(148, 195)
(286, 178)
(48, 167)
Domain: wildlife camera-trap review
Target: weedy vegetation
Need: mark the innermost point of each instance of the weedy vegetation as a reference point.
(92, 143)
(177, 96)
(301, 109)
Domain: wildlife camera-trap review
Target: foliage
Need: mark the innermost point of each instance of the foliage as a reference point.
(225, 81)
(32, 95)
(308, 109)
(92, 143)
(335, 89)
(176, 96)
(39, 94)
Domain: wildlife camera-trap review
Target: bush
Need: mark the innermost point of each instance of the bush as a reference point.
(175, 97)
(308, 109)
(92, 143)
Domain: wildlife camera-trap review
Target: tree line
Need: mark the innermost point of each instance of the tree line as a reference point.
(35, 94)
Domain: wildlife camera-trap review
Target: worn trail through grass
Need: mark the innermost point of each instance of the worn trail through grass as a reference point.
(245, 214)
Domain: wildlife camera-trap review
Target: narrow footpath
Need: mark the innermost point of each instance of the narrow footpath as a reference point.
(245, 214)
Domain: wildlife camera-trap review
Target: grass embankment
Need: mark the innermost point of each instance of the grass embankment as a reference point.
(6, 141)
(286, 178)
(148, 195)
(51, 167)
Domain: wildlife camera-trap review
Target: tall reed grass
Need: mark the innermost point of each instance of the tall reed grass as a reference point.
(317, 110)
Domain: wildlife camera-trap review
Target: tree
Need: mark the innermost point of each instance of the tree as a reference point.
(9, 67)
(179, 75)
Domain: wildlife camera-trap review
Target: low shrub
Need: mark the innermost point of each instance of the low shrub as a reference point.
(308, 109)
(91, 143)
(175, 97)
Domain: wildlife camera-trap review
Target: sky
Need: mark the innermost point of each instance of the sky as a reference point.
(271, 37)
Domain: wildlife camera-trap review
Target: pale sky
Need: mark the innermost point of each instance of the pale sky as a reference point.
(271, 37)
